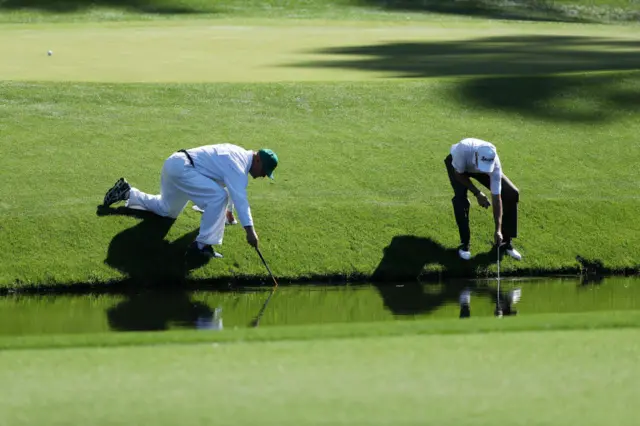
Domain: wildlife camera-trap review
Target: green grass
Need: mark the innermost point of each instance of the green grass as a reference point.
(567, 321)
(534, 377)
(316, 50)
(361, 171)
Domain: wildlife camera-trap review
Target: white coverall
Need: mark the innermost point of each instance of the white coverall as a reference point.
(219, 171)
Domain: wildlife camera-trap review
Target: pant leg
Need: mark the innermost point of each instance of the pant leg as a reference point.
(171, 200)
(210, 196)
(460, 202)
(510, 197)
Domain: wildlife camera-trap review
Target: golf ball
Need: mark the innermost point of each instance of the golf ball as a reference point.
(50, 53)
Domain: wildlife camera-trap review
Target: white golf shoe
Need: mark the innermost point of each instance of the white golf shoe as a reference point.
(464, 252)
(513, 252)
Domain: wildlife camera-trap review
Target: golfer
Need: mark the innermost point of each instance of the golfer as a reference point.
(208, 176)
(478, 159)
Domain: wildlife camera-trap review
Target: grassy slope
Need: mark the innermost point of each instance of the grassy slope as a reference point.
(346, 189)
(544, 377)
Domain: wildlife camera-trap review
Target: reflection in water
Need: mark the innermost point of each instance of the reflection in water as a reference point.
(309, 304)
(210, 322)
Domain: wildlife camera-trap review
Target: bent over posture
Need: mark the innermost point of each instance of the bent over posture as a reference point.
(478, 159)
(208, 176)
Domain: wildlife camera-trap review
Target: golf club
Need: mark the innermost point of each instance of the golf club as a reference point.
(498, 312)
(256, 321)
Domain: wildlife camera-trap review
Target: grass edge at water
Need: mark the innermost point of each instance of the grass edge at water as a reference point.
(542, 322)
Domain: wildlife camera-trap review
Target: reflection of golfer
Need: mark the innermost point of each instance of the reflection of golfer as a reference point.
(207, 176)
(230, 219)
(478, 159)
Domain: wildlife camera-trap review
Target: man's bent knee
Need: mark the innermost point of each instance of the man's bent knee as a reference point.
(460, 201)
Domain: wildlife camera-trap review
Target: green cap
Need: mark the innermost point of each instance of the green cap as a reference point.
(269, 161)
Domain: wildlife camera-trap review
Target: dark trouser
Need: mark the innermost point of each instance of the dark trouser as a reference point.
(509, 194)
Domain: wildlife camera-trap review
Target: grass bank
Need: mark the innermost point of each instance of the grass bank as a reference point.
(361, 191)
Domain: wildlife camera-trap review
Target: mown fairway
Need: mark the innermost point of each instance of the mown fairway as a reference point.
(522, 378)
(273, 51)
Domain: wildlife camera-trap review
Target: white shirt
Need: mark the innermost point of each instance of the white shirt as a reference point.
(228, 165)
(464, 160)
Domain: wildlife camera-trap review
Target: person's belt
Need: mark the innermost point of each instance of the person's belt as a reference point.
(184, 151)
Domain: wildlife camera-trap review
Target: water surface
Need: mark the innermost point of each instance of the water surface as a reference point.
(305, 304)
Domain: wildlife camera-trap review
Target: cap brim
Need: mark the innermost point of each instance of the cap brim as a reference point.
(486, 169)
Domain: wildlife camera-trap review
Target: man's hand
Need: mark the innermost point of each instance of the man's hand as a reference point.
(252, 237)
(483, 200)
(498, 238)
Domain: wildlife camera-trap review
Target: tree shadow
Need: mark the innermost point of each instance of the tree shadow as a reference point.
(405, 259)
(586, 99)
(522, 10)
(513, 73)
(161, 7)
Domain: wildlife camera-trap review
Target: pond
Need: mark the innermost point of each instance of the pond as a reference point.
(24, 314)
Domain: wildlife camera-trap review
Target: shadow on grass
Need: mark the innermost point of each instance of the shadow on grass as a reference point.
(523, 10)
(164, 7)
(404, 261)
(513, 73)
(142, 253)
(582, 99)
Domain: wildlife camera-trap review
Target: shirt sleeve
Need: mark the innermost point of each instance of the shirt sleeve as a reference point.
(495, 179)
(236, 182)
(457, 158)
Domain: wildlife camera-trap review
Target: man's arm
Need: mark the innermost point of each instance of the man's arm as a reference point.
(464, 179)
(237, 185)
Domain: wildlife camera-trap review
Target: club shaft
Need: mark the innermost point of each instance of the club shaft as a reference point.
(267, 266)
(256, 322)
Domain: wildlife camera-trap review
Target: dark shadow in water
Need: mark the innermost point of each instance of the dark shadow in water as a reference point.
(160, 7)
(404, 260)
(155, 311)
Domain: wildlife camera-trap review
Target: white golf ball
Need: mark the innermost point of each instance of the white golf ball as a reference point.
(50, 53)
